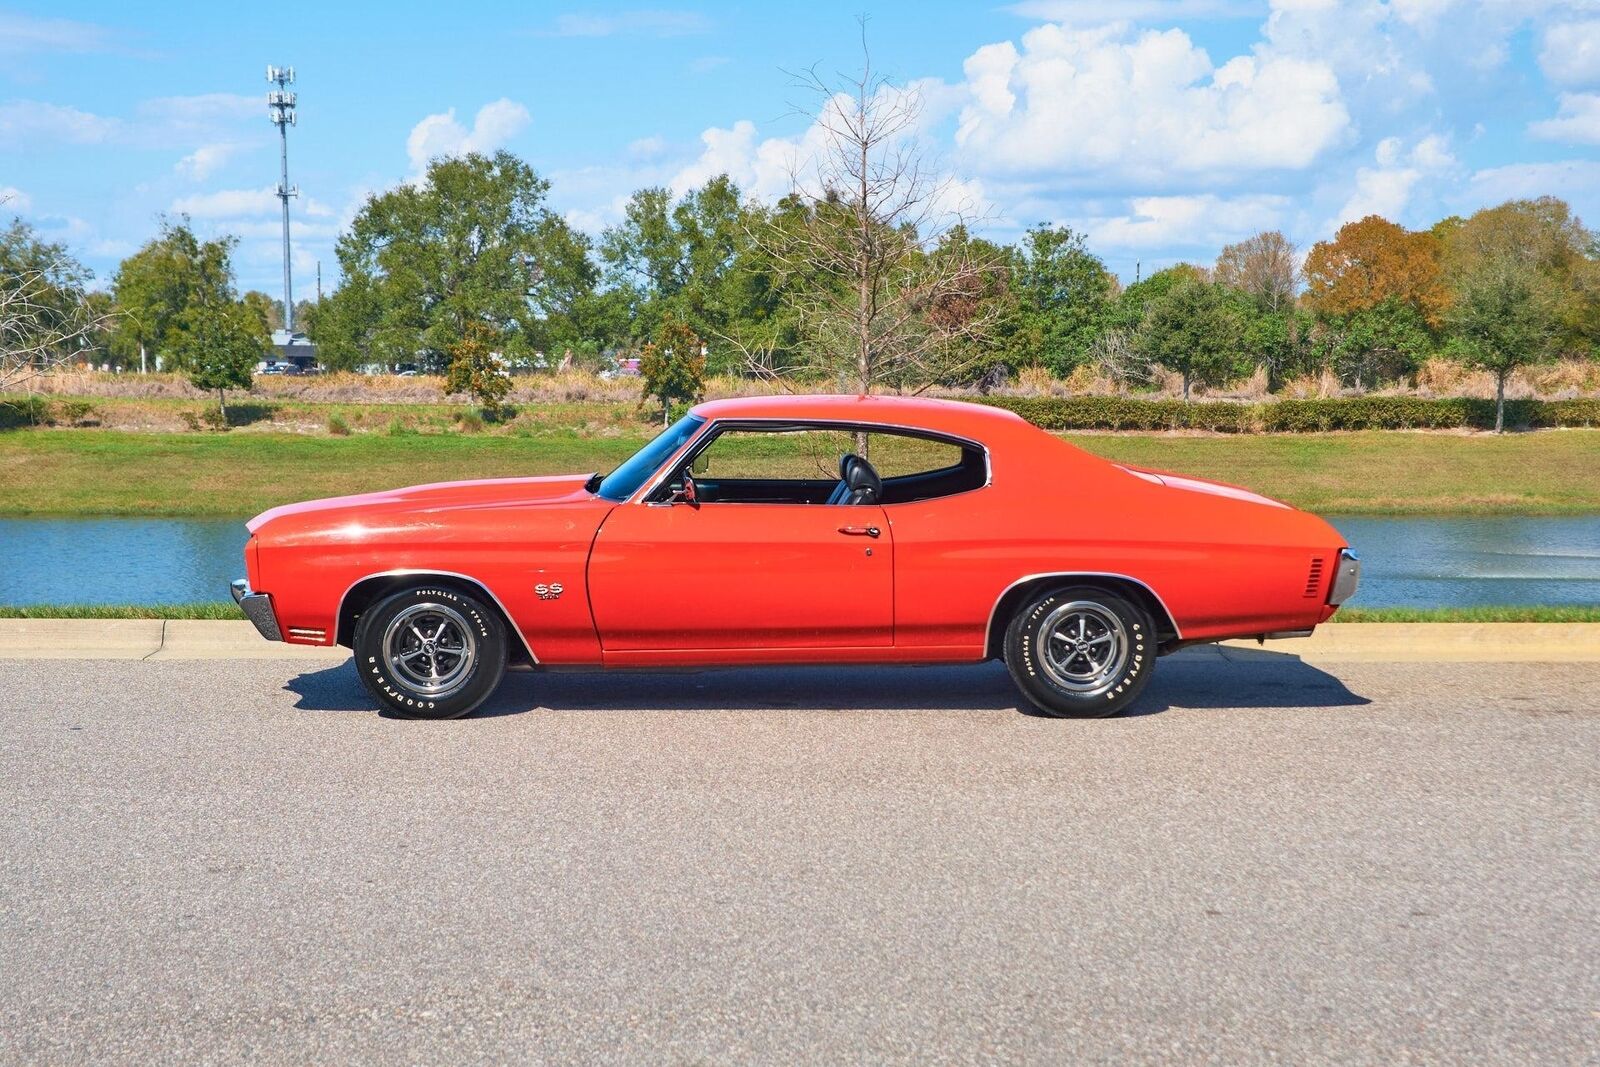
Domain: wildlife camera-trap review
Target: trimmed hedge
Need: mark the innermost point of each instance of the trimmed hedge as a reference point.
(1294, 416)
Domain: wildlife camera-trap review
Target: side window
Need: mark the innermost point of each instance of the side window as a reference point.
(760, 455)
(896, 455)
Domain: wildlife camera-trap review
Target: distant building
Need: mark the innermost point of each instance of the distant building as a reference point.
(291, 350)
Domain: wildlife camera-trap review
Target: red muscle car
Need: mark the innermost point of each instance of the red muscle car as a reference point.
(785, 530)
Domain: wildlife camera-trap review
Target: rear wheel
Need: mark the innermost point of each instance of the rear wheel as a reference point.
(430, 652)
(1080, 651)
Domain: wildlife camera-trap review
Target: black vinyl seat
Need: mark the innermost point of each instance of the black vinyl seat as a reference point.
(858, 482)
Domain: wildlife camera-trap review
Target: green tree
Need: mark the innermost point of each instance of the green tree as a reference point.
(474, 242)
(158, 284)
(268, 312)
(217, 345)
(673, 366)
(1504, 316)
(477, 369)
(1194, 330)
(1549, 240)
(694, 260)
(1385, 342)
(1061, 296)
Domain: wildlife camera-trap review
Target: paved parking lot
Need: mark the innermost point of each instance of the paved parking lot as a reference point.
(1267, 861)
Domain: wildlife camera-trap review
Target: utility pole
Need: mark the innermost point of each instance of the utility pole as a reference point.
(280, 108)
(319, 281)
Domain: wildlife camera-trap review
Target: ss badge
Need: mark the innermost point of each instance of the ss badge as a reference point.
(548, 592)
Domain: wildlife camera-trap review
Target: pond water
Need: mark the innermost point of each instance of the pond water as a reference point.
(1406, 562)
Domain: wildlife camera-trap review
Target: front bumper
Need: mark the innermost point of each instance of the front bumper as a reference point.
(1345, 578)
(257, 607)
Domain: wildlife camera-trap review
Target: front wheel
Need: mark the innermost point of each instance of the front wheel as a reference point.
(1080, 652)
(430, 652)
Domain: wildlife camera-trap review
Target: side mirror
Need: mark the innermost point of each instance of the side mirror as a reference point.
(686, 494)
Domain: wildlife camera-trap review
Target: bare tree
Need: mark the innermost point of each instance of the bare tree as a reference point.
(42, 325)
(1263, 266)
(869, 246)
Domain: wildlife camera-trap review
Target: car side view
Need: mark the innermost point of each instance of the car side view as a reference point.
(797, 530)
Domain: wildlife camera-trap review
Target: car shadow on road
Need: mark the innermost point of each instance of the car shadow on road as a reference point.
(1185, 681)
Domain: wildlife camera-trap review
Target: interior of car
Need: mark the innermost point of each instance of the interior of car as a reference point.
(806, 464)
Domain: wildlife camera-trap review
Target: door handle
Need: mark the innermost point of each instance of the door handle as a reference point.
(860, 531)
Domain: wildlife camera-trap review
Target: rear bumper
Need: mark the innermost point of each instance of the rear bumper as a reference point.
(1345, 579)
(257, 607)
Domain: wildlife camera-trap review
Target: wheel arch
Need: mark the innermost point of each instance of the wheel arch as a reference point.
(1021, 591)
(367, 591)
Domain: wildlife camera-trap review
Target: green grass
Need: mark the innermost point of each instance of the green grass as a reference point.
(218, 609)
(223, 609)
(110, 472)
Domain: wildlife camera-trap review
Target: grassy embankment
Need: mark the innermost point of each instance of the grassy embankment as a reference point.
(223, 609)
(109, 472)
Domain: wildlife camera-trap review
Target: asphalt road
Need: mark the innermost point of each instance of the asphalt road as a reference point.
(223, 861)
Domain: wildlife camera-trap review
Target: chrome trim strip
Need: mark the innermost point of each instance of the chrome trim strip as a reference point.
(988, 630)
(405, 571)
(257, 607)
(694, 444)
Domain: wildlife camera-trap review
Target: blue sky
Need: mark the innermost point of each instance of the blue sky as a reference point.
(1162, 128)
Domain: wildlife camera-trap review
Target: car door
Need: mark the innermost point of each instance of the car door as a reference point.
(743, 576)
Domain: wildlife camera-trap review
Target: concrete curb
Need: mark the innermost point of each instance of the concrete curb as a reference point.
(1433, 642)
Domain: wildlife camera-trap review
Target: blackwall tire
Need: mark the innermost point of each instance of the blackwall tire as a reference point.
(430, 652)
(1080, 652)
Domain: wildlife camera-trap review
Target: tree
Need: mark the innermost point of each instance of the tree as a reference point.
(476, 369)
(46, 316)
(1381, 343)
(1549, 240)
(267, 310)
(1374, 260)
(158, 284)
(851, 247)
(1262, 267)
(1504, 317)
(1061, 297)
(1193, 330)
(672, 366)
(217, 345)
(474, 241)
(692, 260)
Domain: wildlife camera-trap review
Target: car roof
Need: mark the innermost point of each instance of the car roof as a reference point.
(912, 412)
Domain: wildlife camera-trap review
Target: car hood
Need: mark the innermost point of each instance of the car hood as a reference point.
(434, 498)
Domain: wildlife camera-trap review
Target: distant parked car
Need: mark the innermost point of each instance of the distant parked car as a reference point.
(757, 531)
(406, 374)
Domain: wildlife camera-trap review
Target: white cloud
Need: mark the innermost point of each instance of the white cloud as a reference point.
(1571, 53)
(653, 147)
(1155, 222)
(13, 200)
(23, 121)
(441, 135)
(1387, 189)
(651, 23)
(1576, 180)
(1578, 121)
(205, 161)
(244, 203)
(22, 34)
(1146, 107)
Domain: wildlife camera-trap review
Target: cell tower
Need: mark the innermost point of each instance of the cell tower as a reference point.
(280, 108)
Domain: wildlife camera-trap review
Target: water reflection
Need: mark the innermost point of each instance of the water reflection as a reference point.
(1406, 562)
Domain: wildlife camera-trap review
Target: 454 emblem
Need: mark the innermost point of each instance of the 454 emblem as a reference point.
(552, 591)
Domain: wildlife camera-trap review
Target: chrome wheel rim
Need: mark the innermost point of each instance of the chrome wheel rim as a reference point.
(1083, 646)
(430, 649)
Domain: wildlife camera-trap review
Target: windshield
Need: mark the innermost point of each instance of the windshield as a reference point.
(623, 482)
